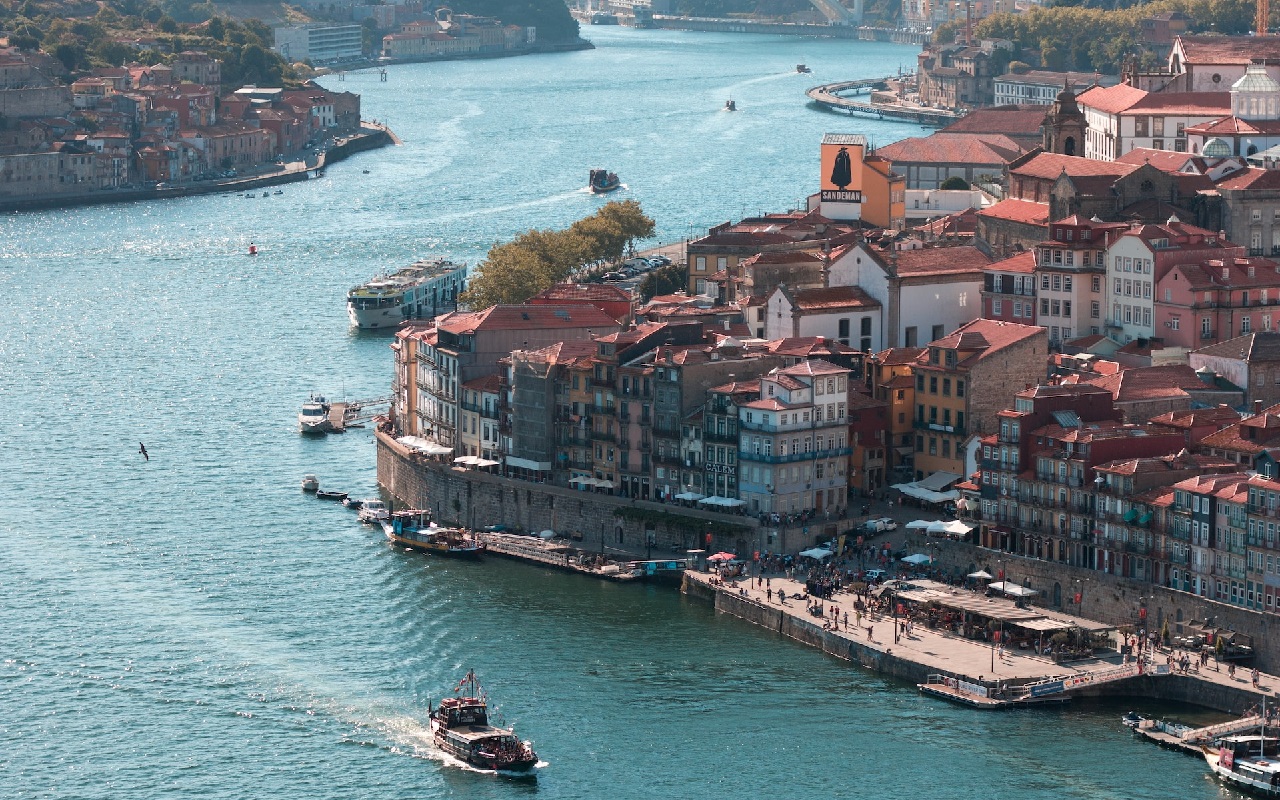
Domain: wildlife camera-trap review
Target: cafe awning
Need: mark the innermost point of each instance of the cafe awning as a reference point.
(1012, 589)
(816, 552)
(689, 496)
(424, 445)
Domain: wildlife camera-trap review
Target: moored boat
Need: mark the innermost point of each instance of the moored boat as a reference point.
(413, 529)
(460, 727)
(323, 494)
(372, 511)
(602, 181)
(1250, 764)
(310, 483)
(314, 417)
(421, 290)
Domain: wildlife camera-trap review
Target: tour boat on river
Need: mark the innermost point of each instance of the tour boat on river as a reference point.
(460, 727)
(1250, 764)
(603, 181)
(422, 290)
(412, 529)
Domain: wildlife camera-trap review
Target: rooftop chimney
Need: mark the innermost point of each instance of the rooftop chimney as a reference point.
(1257, 406)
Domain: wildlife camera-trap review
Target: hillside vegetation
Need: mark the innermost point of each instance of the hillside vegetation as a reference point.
(1101, 34)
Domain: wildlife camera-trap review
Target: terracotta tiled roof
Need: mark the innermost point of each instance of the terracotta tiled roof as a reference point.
(808, 346)
(961, 223)
(525, 317)
(1258, 347)
(1014, 210)
(833, 298)
(1051, 165)
(897, 356)
(1163, 160)
(1150, 383)
(954, 148)
(488, 383)
(1205, 50)
(901, 382)
(737, 387)
(1235, 126)
(1111, 99)
(940, 260)
(984, 337)
(787, 382)
(813, 367)
(1221, 416)
(1022, 262)
(1208, 274)
(1252, 178)
(1198, 104)
(583, 291)
(767, 404)
(1008, 120)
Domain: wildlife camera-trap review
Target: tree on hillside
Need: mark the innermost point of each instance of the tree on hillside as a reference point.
(517, 270)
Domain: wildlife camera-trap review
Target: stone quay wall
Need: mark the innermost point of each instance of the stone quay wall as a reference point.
(1110, 598)
(1176, 688)
(476, 499)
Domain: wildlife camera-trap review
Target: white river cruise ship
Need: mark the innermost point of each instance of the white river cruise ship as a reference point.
(419, 291)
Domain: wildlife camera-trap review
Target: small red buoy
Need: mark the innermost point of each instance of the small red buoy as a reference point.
(253, 249)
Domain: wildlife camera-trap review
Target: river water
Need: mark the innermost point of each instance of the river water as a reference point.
(195, 625)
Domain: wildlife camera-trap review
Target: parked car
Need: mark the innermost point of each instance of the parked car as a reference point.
(614, 276)
(881, 524)
(659, 260)
(637, 263)
(873, 575)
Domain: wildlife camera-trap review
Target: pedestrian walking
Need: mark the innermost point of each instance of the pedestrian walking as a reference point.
(846, 621)
(1253, 677)
(870, 628)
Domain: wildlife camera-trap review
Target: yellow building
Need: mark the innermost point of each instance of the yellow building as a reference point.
(859, 185)
(892, 380)
(884, 194)
(478, 417)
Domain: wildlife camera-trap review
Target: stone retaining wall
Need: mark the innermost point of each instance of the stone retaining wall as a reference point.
(475, 499)
(1109, 598)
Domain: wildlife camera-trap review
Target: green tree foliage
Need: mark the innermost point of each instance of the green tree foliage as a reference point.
(663, 280)
(515, 271)
(550, 17)
(1100, 35)
(954, 182)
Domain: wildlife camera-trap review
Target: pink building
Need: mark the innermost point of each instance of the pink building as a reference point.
(1217, 299)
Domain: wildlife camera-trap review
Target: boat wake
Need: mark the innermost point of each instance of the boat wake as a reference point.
(491, 210)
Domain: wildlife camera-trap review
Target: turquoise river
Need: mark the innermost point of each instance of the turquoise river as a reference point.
(195, 626)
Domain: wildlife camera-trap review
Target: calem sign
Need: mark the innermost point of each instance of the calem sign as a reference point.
(842, 155)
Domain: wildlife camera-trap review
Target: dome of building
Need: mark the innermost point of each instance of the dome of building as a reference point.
(1256, 79)
(1216, 148)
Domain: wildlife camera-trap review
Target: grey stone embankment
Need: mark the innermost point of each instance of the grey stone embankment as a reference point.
(373, 137)
(1112, 599)
(906, 661)
(473, 498)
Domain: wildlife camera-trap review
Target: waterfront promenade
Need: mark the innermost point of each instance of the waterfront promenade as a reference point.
(869, 639)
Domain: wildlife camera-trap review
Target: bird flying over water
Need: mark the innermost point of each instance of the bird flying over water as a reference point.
(142, 448)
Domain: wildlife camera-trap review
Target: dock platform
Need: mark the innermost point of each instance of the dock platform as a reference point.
(562, 556)
(829, 96)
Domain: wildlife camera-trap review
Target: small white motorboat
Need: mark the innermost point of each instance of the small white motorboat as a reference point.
(310, 483)
(373, 511)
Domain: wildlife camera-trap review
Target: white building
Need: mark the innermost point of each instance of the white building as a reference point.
(845, 313)
(1123, 117)
(1041, 87)
(319, 43)
(924, 293)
